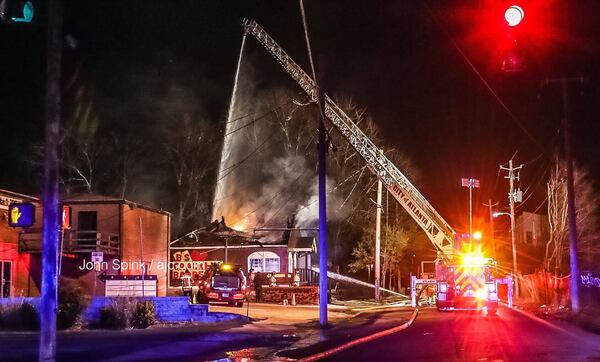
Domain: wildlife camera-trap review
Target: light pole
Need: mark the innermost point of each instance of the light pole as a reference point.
(513, 196)
(491, 206)
(470, 183)
(49, 294)
(323, 144)
(378, 243)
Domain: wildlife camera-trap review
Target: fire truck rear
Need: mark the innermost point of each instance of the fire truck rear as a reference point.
(467, 284)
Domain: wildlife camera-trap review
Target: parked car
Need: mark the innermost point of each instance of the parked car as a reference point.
(223, 283)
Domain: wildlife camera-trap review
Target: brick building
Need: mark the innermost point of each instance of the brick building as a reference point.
(126, 235)
(15, 267)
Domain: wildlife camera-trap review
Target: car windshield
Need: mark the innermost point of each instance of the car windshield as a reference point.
(225, 281)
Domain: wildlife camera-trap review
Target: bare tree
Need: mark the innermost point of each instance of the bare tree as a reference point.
(81, 148)
(188, 147)
(588, 228)
(127, 152)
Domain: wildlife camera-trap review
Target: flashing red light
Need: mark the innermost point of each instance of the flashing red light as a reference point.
(514, 15)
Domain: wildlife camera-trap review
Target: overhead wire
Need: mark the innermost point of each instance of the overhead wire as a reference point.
(281, 105)
(235, 166)
(262, 116)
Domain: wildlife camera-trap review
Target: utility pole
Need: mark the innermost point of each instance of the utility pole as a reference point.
(322, 151)
(491, 206)
(49, 295)
(378, 242)
(511, 199)
(571, 212)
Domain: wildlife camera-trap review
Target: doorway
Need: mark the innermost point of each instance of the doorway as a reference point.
(5, 278)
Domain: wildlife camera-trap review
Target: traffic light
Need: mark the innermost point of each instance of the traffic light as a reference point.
(512, 60)
(16, 11)
(514, 15)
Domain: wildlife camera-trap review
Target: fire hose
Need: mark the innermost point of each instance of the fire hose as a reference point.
(329, 352)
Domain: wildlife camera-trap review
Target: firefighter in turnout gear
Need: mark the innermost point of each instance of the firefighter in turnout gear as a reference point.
(186, 284)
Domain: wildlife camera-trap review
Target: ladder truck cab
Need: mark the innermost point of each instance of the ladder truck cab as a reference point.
(467, 283)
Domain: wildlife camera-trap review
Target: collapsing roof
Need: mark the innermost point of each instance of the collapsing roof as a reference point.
(217, 234)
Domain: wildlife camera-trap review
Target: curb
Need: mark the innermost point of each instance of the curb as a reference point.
(362, 340)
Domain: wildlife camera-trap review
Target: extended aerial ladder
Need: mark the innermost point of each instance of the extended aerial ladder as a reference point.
(437, 229)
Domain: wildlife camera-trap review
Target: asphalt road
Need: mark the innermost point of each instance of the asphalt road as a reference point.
(469, 336)
(194, 343)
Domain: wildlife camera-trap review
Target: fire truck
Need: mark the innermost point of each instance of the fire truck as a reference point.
(468, 284)
(462, 280)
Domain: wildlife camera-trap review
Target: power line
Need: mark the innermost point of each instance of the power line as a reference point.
(237, 164)
(262, 116)
(280, 105)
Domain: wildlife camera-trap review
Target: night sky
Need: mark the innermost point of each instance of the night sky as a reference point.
(402, 60)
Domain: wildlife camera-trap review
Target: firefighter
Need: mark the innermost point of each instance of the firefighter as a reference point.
(258, 286)
(195, 288)
(296, 280)
(272, 279)
(186, 284)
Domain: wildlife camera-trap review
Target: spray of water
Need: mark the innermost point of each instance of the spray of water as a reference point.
(343, 278)
(227, 141)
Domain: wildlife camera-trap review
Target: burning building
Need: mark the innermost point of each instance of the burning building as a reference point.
(280, 252)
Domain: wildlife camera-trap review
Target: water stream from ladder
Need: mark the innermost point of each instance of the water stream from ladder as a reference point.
(219, 195)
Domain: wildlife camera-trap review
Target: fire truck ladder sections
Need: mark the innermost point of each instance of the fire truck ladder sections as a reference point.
(437, 229)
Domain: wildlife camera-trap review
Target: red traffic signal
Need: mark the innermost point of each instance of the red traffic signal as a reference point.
(514, 15)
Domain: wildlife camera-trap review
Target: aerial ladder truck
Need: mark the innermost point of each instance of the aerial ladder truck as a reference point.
(463, 280)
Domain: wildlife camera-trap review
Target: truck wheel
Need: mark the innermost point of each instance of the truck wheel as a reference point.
(239, 304)
(231, 304)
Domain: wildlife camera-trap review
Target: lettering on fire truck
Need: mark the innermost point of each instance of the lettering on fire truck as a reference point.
(412, 207)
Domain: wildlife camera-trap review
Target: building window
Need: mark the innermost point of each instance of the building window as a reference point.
(87, 225)
(5, 278)
(264, 262)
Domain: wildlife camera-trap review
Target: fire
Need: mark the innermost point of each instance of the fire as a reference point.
(239, 227)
